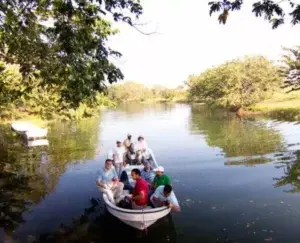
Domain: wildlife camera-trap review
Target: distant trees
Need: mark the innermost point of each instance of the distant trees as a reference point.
(239, 83)
(131, 91)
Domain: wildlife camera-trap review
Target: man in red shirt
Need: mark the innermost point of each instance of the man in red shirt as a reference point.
(140, 192)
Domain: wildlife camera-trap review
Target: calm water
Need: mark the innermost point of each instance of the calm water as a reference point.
(237, 181)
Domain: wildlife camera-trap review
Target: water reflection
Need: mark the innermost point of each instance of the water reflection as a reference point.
(291, 171)
(138, 108)
(28, 174)
(97, 225)
(236, 138)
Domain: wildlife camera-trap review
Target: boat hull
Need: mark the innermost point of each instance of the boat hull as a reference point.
(139, 219)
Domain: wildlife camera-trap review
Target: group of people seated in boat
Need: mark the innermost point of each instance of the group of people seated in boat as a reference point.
(128, 153)
(152, 186)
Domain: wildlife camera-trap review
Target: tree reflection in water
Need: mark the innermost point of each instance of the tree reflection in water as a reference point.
(235, 138)
(28, 175)
(291, 177)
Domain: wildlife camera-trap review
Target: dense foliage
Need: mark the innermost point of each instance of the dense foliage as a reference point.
(273, 11)
(291, 68)
(27, 175)
(60, 47)
(24, 95)
(131, 91)
(237, 83)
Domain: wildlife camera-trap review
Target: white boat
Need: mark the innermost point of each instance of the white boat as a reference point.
(39, 142)
(137, 218)
(29, 130)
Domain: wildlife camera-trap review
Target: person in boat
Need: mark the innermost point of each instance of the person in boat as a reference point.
(119, 157)
(141, 149)
(129, 147)
(164, 196)
(127, 142)
(160, 178)
(139, 198)
(109, 183)
(147, 173)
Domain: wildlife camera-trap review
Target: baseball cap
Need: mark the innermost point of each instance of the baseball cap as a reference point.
(159, 168)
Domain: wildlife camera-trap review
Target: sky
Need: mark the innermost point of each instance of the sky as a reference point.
(188, 41)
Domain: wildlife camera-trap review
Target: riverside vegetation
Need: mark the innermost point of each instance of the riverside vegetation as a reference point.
(252, 83)
(55, 62)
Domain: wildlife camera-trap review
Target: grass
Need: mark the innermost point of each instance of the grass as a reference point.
(23, 116)
(281, 105)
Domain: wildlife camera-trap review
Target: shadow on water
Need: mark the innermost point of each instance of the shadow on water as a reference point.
(97, 225)
(27, 175)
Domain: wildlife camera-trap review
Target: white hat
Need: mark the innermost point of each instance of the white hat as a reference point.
(159, 168)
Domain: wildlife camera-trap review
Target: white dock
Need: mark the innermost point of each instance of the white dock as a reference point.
(29, 130)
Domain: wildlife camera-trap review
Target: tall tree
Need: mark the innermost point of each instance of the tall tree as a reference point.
(273, 11)
(238, 83)
(291, 68)
(64, 41)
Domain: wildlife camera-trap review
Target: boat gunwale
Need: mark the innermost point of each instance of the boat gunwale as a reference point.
(134, 211)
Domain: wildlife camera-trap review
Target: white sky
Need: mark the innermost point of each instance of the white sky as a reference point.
(189, 41)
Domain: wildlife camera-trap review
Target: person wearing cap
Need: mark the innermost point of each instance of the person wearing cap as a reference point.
(129, 147)
(147, 173)
(109, 183)
(160, 178)
(127, 142)
(119, 157)
(164, 196)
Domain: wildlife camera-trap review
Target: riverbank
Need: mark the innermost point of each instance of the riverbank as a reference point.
(281, 105)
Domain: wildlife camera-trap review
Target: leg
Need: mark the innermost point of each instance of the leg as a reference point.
(118, 167)
(134, 206)
(108, 192)
(118, 190)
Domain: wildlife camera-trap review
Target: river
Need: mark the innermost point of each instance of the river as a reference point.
(237, 180)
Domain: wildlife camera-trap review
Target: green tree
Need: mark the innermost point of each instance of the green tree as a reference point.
(129, 91)
(239, 83)
(64, 42)
(273, 11)
(291, 68)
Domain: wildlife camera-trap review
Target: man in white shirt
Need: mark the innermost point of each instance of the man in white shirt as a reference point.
(119, 157)
(109, 183)
(164, 196)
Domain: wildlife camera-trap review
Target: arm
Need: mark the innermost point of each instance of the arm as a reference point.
(100, 183)
(174, 205)
(115, 177)
(139, 196)
(156, 200)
